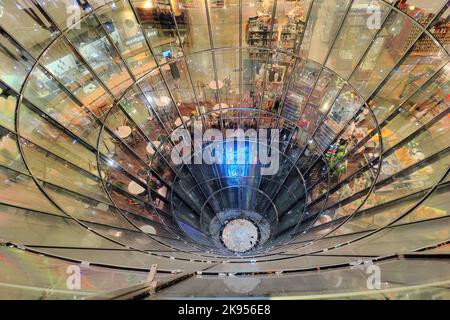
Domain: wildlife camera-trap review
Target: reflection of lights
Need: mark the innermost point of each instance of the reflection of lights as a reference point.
(412, 8)
(324, 107)
(115, 233)
(110, 163)
(235, 171)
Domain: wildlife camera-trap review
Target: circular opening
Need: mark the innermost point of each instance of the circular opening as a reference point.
(240, 235)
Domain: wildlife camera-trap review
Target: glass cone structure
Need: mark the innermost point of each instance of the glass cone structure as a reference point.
(96, 96)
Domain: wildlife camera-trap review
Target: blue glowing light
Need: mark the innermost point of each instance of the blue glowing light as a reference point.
(236, 162)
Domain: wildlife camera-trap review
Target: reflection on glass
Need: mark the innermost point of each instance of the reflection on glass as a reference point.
(325, 16)
(120, 23)
(362, 23)
(393, 41)
(66, 66)
(16, 62)
(95, 47)
(35, 30)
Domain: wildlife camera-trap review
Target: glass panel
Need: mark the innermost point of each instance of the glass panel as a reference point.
(227, 63)
(420, 11)
(310, 284)
(396, 198)
(20, 190)
(64, 13)
(52, 169)
(413, 73)
(257, 25)
(139, 109)
(423, 177)
(201, 66)
(16, 63)
(342, 111)
(440, 29)
(33, 228)
(46, 94)
(157, 20)
(436, 206)
(86, 209)
(401, 239)
(9, 151)
(302, 84)
(376, 217)
(192, 24)
(325, 92)
(290, 24)
(150, 227)
(130, 259)
(42, 133)
(224, 23)
(158, 96)
(67, 67)
(360, 26)
(326, 284)
(418, 149)
(179, 84)
(134, 239)
(277, 70)
(432, 99)
(49, 280)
